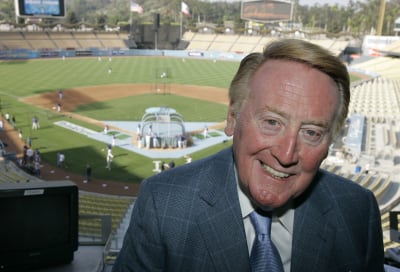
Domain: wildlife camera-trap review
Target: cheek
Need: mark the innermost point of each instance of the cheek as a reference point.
(246, 131)
(312, 159)
(244, 144)
(246, 140)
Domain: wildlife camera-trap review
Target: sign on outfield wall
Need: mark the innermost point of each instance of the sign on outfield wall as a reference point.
(267, 10)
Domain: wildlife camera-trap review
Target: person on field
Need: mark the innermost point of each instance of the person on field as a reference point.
(109, 158)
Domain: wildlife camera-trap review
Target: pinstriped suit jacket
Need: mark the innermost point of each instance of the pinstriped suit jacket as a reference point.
(188, 219)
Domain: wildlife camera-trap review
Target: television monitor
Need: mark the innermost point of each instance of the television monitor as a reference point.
(39, 224)
(40, 8)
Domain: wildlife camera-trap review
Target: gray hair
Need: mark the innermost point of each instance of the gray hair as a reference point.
(298, 51)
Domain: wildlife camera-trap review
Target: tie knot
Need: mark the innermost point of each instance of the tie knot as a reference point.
(261, 222)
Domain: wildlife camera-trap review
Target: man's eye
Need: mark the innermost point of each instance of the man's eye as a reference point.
(312, 136)
(313, 133)
(271, 122)
(269, 126)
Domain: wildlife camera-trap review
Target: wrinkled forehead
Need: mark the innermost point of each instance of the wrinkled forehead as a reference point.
(295, 87)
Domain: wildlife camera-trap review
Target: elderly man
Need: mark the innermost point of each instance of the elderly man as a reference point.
(286, 105)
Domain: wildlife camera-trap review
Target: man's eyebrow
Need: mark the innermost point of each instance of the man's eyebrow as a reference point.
(321, 124)
(318, 123)
(274, 110)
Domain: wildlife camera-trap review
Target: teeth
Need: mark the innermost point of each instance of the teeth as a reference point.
(273, 172)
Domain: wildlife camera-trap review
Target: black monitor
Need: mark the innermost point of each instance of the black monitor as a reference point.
(39, 224)
(40, 8)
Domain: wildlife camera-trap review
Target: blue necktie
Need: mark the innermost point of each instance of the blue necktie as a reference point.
(264, 255)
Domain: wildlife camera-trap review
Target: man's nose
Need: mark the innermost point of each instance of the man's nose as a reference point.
(286, 149)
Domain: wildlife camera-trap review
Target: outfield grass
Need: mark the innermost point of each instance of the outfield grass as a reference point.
(24, 78)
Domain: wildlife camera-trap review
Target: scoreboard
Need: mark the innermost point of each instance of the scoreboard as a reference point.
(40, 8)
(267, 10)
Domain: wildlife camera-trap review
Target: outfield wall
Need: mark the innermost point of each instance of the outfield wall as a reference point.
(95, 52)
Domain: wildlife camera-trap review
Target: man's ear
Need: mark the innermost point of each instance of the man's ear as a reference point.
(230, 121)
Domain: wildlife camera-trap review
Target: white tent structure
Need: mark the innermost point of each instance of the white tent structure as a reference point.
(162, 127)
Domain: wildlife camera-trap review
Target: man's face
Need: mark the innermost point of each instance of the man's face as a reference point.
(283, 131)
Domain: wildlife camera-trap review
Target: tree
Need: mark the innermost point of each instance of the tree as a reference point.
(7, 13)
(101, 21)
(360, 17)
(71, 18)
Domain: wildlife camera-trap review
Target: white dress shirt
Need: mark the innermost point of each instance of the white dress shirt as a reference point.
(281, 228)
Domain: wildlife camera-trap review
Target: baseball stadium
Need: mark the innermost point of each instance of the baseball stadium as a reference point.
(70, 98)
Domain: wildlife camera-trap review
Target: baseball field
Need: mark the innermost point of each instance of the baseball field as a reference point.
(98, 89)
(95, 90)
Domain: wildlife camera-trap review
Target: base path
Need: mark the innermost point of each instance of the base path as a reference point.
(73, 98)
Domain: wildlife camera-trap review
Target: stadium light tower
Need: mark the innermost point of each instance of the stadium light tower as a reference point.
(381, 17)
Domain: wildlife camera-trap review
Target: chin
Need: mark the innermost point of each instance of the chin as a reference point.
(267, 200)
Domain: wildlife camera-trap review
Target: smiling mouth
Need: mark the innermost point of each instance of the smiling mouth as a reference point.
(274, 173)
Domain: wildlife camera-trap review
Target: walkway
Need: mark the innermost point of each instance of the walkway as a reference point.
(125, 132)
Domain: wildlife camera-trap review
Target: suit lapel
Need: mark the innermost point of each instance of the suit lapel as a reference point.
(312, 233)
(220, 221)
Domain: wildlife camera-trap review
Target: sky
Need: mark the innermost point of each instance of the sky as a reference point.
(305, 2)
(323, 2)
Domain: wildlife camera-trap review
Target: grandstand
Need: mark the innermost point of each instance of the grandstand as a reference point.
(386, 67)
(61, 40)
(90, 228)
(220, 43)
(377, 99)
(242, 44)
(10, 172)
(245, 44)
(13, 40)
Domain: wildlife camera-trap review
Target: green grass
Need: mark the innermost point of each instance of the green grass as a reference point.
(79, 149)
(25, 78)
(133, 108)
